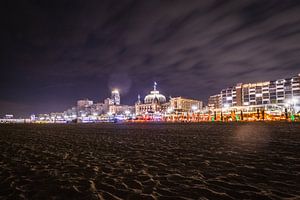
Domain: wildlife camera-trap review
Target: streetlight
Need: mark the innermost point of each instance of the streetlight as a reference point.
(294, 101)
(290, 104)
(194, 108)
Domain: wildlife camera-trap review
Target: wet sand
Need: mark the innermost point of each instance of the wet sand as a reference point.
(150, 161)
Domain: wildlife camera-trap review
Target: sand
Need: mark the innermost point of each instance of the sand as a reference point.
(150, 161)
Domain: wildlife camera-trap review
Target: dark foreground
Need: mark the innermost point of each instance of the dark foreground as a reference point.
(150, 161)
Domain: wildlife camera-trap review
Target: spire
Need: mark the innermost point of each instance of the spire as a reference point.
(154, 87)
(139, 99)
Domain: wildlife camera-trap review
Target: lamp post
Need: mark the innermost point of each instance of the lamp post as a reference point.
(292, 104)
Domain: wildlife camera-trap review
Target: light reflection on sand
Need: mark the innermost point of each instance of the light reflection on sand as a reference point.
(253, 135)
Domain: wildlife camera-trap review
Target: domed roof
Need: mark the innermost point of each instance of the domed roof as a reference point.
(154, 96)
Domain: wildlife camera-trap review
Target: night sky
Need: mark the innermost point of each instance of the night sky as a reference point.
(55, 52)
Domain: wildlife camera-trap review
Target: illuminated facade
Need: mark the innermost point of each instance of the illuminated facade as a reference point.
(115, 97)
(282, 92)
(97, 109)
(121, 109)
(154, 103)
(214, 102)
(112, 106)
(84, 103)
(250, 113)
(107, 103)
(180, 104)
(231, 96)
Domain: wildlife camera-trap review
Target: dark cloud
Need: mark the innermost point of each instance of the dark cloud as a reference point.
(54, 52)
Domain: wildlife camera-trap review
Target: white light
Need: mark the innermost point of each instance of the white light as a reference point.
(294, 100)
(194, 108)
(226, 105)
(127, 112)
(169, 110)
(291, 102)
(228, 98)
(115, 91)
(287, 105)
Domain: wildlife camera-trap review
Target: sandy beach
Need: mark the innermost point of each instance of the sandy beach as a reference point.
(150, 161)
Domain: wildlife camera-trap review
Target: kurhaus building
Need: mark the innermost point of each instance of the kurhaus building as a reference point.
(157, 104)
(280, 92)
(154, 103)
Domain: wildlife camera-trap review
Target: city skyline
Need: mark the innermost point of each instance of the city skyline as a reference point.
(54, 53)
(133, 99)
(215, 103)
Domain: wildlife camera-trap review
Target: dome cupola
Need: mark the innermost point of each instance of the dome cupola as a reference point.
(155, 96)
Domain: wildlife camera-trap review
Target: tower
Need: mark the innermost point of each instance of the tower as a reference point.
(139, 99)
(154, 86)
(115, 97)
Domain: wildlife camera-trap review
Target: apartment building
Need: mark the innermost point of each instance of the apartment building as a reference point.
(214, 101)
(280, 92)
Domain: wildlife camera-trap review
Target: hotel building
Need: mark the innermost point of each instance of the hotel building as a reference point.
(180, 104)
(231, 96)
(282, 92)
(214, 102)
